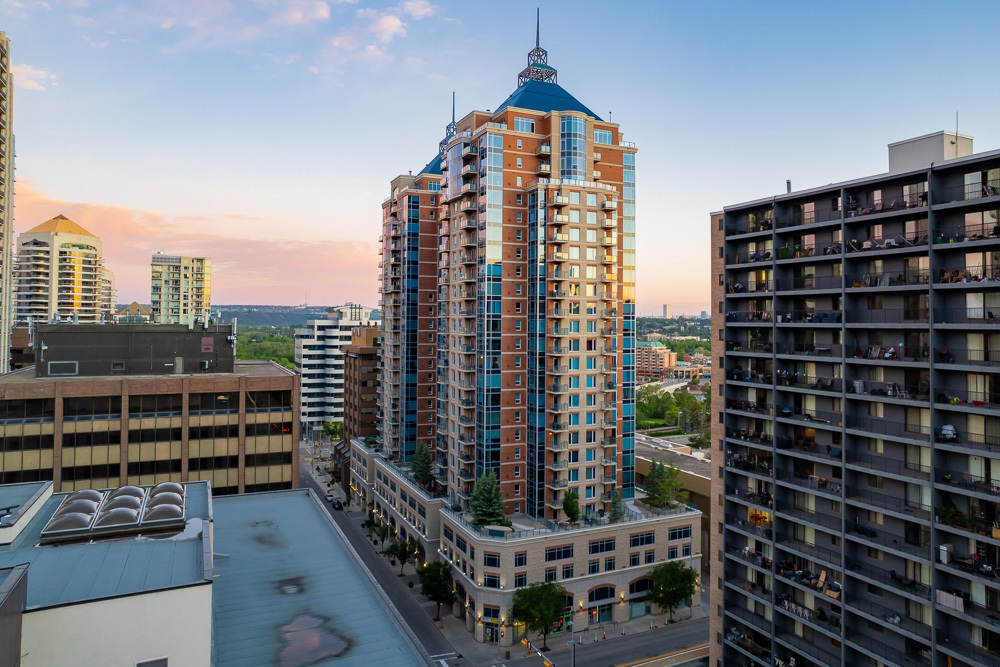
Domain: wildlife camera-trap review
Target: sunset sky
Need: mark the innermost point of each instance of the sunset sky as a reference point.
(264, 133)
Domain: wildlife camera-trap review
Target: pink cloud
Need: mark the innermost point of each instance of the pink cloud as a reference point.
(245, 270)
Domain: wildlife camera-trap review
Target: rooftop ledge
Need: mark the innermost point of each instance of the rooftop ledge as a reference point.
(525, 527)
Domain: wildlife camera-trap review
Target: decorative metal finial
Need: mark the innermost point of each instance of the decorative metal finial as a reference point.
(538, 60)
(451, 129)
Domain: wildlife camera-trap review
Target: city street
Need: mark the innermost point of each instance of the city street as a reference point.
(454, 647)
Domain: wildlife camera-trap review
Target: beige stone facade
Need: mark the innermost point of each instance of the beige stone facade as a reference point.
(603, 567)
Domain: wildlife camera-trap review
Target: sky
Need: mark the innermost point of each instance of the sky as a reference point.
(264, 133)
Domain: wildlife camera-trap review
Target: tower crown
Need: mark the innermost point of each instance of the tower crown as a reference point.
(538, 61)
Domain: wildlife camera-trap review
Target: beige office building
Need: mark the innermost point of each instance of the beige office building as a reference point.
(180, 288)
(60, 272)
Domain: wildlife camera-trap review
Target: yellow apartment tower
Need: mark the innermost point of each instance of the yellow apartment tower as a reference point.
(180, 289)
(60, 272)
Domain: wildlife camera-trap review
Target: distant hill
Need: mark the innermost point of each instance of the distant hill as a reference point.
(276, 316)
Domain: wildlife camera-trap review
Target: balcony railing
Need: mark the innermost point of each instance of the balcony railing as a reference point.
(989, 400)
(748, 316)
(891, 465)
(801, 444)
(809, 349)
(889, 390)
(891, 503)
(968, 232)
(970, 275)
(968, 192)
(953, 355)
(750, 406)
(889, 279)
(811, 415)
(811, 317)
(811, 283)
(890, 578)
(967, 315)
(890, 428)
(890, 316)
(981, 441)
(892, 540)
(798, 379)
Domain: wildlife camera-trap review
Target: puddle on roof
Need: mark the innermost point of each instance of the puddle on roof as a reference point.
(307, 642)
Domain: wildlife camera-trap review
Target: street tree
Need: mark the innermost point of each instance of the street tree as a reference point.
(486, 504)
(571, 506)
(382, 532)
(402, 550)
(617, 512)
(436, 584)
(539, 606)
(333, 430)
(673, 584)
(420, 466)
(369, 524)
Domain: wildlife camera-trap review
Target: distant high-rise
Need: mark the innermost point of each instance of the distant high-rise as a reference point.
(6, 199)
(319, 357)
(60, 272)
(668, 311)
(180, 288)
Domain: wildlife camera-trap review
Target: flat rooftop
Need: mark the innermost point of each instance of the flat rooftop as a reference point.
(685, 462)
(288, 590)
(241, 368)
(60, 574)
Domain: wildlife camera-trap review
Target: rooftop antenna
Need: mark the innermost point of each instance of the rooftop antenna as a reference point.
(538, 23)
(453, 106)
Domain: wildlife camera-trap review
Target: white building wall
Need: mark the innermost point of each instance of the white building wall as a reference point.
(175, 624)
(319, 358)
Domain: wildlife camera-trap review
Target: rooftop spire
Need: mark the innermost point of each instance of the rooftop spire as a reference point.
(538, 60)
(451, 129)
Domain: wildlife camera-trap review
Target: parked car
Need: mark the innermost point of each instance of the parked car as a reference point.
(337, 505)
(329, 495)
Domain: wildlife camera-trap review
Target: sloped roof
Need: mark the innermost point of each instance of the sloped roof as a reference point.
(546, 97)
(433, 167)
(59, 225)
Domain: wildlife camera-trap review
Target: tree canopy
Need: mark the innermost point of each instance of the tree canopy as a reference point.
(571, 506)
(539, 606)
(420, 466)
(617, 512)
(436, 584)
(673, 584)
(664, 485)
(486, 504)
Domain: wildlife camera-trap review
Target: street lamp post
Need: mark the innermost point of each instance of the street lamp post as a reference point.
(572, 644)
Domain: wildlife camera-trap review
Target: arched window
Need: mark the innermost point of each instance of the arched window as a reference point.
(640, 586)
(600, 594)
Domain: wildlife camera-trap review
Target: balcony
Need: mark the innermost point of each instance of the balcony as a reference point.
(968, 192)
(559, 200)
(890, 428)
(609, 205)
(890, 316)
(544, 168)
(893, 466)
(890, 578)
(543, 149)
(918, 548)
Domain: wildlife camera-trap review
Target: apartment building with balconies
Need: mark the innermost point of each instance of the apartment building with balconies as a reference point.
(409, 285)
(60, 273)
(320, 360)
(857, 334)
(536, 346)
(180, 289)
(6, 201)
(529, 213)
